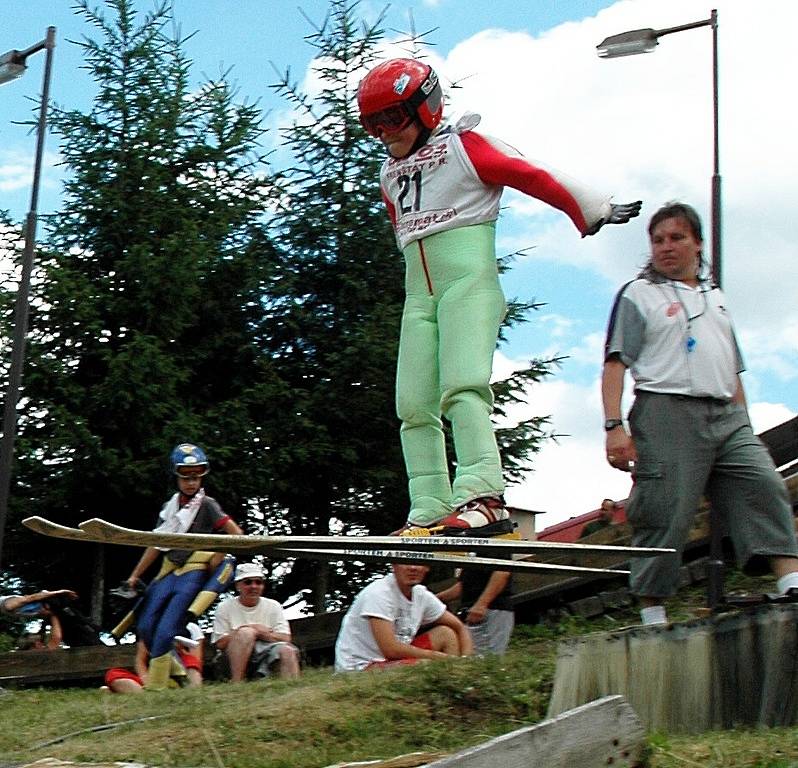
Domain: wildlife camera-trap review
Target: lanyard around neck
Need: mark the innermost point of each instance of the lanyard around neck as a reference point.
(687, 315)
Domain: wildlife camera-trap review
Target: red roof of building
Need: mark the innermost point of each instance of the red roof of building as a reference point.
(571, 529)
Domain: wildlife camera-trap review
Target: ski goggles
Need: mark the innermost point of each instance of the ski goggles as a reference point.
(192, 473)
(389, 120)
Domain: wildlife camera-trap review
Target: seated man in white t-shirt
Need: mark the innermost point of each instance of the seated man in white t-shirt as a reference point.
(381, 627)
(252, 632)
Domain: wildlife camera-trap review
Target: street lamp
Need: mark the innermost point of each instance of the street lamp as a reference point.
(12, 66)
(645, 41)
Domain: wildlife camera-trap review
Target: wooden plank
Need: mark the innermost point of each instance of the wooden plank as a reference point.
(782, 441)
(604, 732)
(63, 664)
(313, 633)
(737, 669)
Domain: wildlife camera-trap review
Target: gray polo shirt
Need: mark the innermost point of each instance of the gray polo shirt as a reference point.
(675, 339)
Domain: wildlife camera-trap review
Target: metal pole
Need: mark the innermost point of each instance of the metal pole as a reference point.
(683, 27)
(21, 306)
(715, 591)
(716, 220)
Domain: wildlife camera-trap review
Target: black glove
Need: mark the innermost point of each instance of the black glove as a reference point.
(619, 214)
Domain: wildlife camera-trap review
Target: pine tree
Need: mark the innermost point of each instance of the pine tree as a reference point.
(334, 309)
(168, 309)
(148, 296)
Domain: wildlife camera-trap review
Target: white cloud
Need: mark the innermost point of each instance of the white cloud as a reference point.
(570, 476)
(14, 175)
(588, 351)
(558, 326)
(642, 127)
(764, 416)
(16, 170)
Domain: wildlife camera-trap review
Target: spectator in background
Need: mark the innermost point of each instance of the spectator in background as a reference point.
(35, 603)
(485, 607)
(251, 631)
(185, 670)
(605, 519)
(187, 582)
(43, 604)
(381, 628)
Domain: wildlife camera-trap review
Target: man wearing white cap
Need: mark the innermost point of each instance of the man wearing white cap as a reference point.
(252, 632)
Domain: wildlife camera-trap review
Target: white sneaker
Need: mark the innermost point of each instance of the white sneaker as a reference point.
(653, 614)
(195, 635)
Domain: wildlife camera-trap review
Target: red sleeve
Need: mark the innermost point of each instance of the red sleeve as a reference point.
(220, 523)
(499, 169)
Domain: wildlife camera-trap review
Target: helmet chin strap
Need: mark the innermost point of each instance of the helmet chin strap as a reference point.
(422, 138)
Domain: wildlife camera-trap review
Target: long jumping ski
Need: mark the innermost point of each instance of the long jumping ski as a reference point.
(102, 531)
(88, 533)
(115, 534)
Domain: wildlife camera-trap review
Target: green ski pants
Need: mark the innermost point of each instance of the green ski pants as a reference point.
(454, 306)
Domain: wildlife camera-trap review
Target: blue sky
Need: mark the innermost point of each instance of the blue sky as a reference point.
(636, 128)
(246, 36)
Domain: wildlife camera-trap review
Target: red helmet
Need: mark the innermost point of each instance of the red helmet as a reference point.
(396, 92)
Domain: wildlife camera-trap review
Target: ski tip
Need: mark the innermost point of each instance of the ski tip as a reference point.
(90, 522)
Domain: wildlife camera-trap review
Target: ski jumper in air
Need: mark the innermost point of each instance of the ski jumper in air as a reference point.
(442, 188)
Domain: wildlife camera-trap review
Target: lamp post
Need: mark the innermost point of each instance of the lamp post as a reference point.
(12, 66)
(645, 41)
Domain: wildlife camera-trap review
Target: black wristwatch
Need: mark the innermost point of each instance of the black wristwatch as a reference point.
(610, 424)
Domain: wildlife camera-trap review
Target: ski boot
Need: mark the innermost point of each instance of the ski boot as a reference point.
(485, 517)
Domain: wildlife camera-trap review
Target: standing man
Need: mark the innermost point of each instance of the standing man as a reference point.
(381, 628)
(604, 520)
(690, 431)
(252, 631)
(486, 607)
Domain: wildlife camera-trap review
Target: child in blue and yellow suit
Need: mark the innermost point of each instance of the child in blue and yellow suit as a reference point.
(442, 190)
(187, 582)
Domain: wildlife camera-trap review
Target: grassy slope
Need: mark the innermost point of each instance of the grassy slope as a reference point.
(318, 720)
(323, 719)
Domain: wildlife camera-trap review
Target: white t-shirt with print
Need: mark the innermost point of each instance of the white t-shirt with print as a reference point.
(356, 647)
